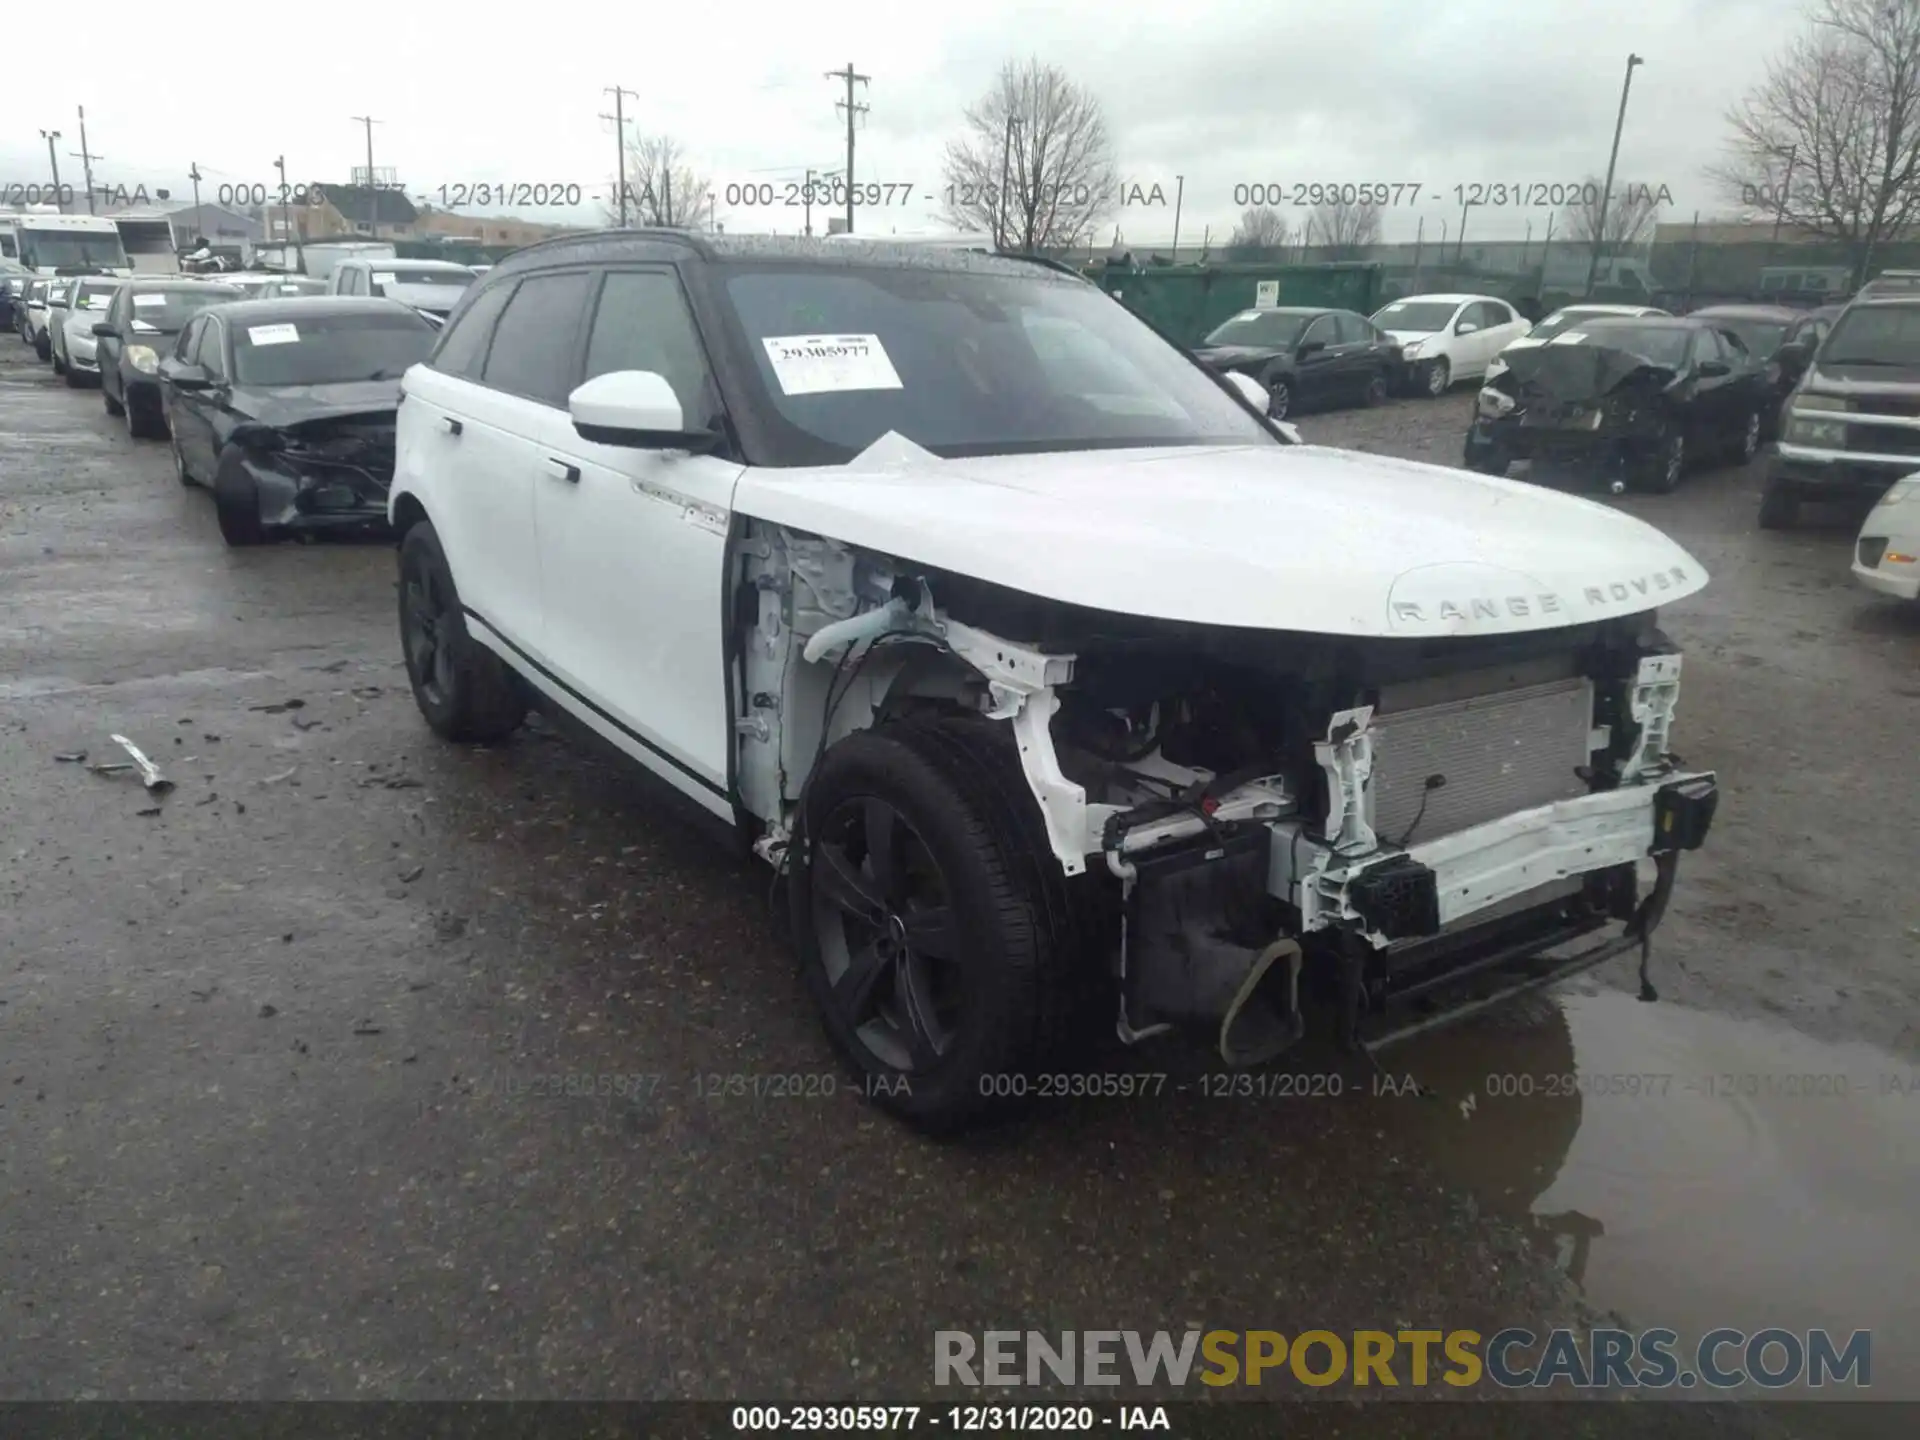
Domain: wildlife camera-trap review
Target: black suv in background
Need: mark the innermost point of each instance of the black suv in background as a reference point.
(1852, 427)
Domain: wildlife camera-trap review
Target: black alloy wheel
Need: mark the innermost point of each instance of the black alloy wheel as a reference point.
(883, 917)
(425, 631)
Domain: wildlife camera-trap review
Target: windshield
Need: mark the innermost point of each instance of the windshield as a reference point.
(1875, 335)
(51, 249)
(967, 363)
(400, 275)
(57, 293)
(1564, 319)
(95, 294)
(146, 237)
(1423, 317)
(37, 293)
(1661, 344)
(1276, 328)
(272, 289)
(317, 349)
(167, 311)
(1761, 337)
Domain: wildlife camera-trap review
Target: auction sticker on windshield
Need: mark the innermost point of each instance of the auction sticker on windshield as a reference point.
(1572, 337)
(383, 277)
(273, 334)
(147, 302)
(818, 364)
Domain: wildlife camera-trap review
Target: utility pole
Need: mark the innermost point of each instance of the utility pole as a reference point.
(1460, 240)
(54, 160)
(619, 119)
(193, 174)
(1006, 159)
(286, 219)
(1600, 230)
(853, 113)
(1780, 209)
(87, 158)
(806, 201)
(373, 193)
(1179, 196)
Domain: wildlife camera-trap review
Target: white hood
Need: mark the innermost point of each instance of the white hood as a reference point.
(1410, 337)
(1304, 538)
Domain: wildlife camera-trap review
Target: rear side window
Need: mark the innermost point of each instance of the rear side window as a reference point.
(534, 345)
(642, 323)
(463, 346)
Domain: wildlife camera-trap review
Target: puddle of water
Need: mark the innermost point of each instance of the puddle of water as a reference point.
(1691, 1170)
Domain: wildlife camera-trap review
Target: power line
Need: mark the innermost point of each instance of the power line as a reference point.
(854, 111)
(619, 118)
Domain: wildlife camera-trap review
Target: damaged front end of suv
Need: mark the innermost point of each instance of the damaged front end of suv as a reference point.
(1236, 827)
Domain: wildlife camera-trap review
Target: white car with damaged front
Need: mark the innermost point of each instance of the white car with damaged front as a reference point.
(1448, 338)
(1061, 686)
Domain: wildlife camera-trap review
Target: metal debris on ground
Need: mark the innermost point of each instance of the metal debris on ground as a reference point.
(413, 873)
(280, 707)
(275, 779)
(150, 775)
(71, 757)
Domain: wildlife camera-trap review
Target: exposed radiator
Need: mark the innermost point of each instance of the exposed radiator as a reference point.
(1500, 752)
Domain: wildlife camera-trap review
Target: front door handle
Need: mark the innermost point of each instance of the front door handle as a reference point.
(560, 470)
(454, 427)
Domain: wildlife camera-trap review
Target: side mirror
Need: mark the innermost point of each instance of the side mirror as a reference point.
(253, 436)
(104, 331)
(1711, 368)
(1310, 347)
(1248, 388)
(183, 376)
(1465, 327)
(636, 409)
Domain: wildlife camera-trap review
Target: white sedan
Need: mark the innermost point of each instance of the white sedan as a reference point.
(1887, 556)
(1561, 321)
(1445, 338)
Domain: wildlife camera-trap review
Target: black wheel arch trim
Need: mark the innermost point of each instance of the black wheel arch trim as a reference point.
(627, 730)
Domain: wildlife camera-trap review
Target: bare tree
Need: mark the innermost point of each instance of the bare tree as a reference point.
(1261, 227)
(1047, 137)
(1631, 213)
(663, 189)
(1342, 227)
(1829, 142)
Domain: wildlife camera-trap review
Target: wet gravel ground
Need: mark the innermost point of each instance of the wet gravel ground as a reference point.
(278, 1049)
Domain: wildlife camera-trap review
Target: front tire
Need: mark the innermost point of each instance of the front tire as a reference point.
(1747, 445)
(236, 502)
(144, 421)
(1376, 391)
(930, 922)
(1439, 377)
(43, 348)
(1661, 471)
(1279, 397)
(1488, 459)
(466, 693)
(114, 407)
(180, 471)
(75, 380)
(59, 363)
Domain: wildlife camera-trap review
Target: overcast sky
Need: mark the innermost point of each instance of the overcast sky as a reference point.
(1445, 93)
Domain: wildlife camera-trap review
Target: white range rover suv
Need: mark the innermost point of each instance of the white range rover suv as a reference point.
(1065, 689)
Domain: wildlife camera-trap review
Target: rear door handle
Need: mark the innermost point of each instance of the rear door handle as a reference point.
(560, 470)
(454, 427)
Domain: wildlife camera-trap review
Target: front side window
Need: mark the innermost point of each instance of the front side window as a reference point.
(1321, 332)
(187, 347)
(534, 344)
(962, 362)
(642, 323)
(463, 344)
(328, 349)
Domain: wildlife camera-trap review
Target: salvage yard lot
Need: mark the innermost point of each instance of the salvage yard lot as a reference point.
(278, 1109)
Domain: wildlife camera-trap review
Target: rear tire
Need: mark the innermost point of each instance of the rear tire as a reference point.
(1439, 377)
(1376, 391)
(59, 364)
(180, 471)
(43, 348)
(466, 693)
(944, 1035)
(1779, 506)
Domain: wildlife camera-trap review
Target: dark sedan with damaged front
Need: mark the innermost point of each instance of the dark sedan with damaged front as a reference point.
(1637, 401)
(285, 409)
